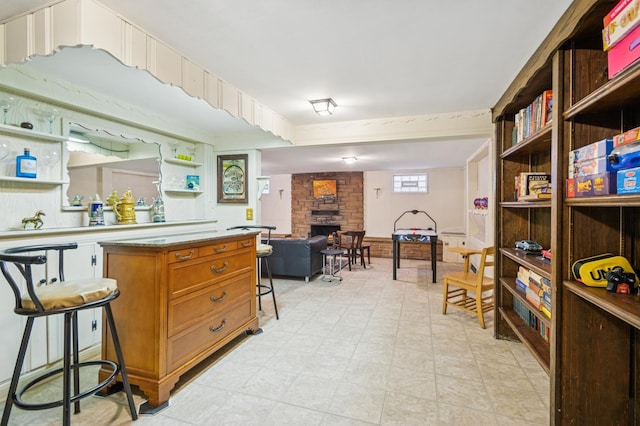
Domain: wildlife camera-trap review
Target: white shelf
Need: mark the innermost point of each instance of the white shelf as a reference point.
(182, 191)
(27, 133)
(182, 162)
(84, 208)
(32, 181)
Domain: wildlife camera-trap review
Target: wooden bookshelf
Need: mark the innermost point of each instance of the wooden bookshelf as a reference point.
(593, 355)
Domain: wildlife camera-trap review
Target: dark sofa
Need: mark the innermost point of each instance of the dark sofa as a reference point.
(297, 257)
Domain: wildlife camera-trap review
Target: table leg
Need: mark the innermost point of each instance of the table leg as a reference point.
(466, 263)
(395, 256)
(434, 257)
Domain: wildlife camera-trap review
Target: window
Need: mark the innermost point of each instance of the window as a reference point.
(410, 183)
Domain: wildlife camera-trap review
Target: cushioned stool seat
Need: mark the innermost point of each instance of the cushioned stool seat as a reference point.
(264, 249)
(69, 294)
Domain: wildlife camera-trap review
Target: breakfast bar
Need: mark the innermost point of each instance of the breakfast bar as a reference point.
(182, 298)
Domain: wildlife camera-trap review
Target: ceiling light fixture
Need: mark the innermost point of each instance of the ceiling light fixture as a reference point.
(349, 160)
(323, 106)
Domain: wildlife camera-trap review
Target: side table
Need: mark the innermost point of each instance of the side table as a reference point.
(329, 261)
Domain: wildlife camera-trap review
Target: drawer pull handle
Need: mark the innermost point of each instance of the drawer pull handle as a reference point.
(187, 257)
(246, 243)
(214, 269)
(219, 299)
(220, 250)
(219, 328)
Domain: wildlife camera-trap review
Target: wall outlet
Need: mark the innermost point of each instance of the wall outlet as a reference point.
(249, 214)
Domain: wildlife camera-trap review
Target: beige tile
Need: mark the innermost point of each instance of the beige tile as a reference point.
(370, 373)
(284, 414)
(417, 360)
(268, 383)
(358, 402)
(461, 368)
(420, 384)
(333, 420)
(495, 373)
(402, 409)
(511, 403)
(338, 348)
(459, 415)
(310, 392)
(379, 352)
(454, 391)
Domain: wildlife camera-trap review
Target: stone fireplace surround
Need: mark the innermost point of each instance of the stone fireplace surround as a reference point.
(346, 211)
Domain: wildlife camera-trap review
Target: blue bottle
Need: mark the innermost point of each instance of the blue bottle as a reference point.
(26, 165)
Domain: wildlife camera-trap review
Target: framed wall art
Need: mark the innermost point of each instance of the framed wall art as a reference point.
(232, 178)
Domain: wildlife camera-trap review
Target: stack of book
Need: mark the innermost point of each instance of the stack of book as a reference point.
(533, 117)
(535, 288)
(532, 186)
(531, 320)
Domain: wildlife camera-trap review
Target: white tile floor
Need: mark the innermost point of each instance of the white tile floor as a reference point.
(365, 351)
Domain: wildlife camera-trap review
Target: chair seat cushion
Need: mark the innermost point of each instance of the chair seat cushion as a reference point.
(72, 293)
(264, 249)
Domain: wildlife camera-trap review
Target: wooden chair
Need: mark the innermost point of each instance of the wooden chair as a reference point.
(458, 284)
(351, 243)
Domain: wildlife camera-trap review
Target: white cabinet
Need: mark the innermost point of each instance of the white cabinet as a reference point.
(452, 240)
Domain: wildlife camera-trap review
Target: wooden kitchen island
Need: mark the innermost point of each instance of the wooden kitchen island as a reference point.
(182, 298)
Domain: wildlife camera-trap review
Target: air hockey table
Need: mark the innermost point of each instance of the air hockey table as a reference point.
(415, 235)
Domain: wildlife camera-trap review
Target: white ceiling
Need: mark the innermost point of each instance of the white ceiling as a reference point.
(376, 58)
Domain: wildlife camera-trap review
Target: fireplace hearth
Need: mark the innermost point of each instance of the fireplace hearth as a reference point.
(324, 229)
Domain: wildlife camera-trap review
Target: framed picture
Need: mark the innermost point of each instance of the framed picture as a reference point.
(232, 178)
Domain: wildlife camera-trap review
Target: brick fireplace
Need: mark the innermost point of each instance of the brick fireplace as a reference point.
(345, 212)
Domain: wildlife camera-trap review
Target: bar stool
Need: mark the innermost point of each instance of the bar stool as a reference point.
(60, 298)
(263, 251)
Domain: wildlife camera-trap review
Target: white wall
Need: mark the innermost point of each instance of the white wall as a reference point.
(445, 203)
(276, 205)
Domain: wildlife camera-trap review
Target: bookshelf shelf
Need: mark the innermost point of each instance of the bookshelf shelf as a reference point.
(538, 142)
(528, 261)
(533, 341)
(526, 204)
(622, 306)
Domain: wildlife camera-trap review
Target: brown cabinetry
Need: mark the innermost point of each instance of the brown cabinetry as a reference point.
(182, 298)
(593, 354)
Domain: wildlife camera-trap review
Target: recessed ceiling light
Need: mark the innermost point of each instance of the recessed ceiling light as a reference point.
(349, 160)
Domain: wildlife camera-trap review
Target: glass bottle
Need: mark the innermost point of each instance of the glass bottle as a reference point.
(26, 165)
(157, 210)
